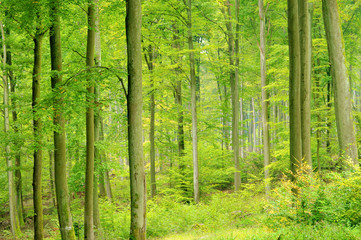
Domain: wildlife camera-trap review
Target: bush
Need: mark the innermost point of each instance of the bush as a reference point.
(311, 200)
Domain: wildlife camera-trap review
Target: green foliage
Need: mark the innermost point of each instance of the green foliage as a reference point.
(333, 199)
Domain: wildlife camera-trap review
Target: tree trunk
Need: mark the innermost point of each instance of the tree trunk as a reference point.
(37, 127)
(343, 108)
(61, 184)
(193, 104)
(17, 144)
(135, 131)
(51, 174)
(98, 234)
(89, 174)
(235, 105)
(150, 59)
(305, 20)
(265, 126)
(14, 221)
(294, 86)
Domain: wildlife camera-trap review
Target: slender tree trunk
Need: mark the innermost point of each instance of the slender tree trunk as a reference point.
(61, 184)
(178, 95)
(150, 59)
(254, 121)
(234, 90)
(51, 174)
(295, 85)
(17, 144)
(343, 107)
(14, 221)
(98, 233)
(135, 131)
(235, 105)
(328, 121)
(305, 20)
(265, 126)
(193, 103)
(89, 174)
(37, 126)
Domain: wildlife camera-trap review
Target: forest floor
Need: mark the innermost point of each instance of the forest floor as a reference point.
(221, 216)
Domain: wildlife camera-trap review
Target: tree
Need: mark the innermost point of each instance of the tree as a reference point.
(294, 85)
(14, 221)
(193, 103)
(133, 22)
(61, 184)
(89, 174)
(341, 85)
(306, 69)
(37, 126)
(265, 125)
(149, 56)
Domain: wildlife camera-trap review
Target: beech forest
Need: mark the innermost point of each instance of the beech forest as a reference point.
(180, 119)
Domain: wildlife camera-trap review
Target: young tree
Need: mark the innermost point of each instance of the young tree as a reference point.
(265, 125)
(133, 22)
(149, 56)
(341, 85)
(14, 221)
(61, 184)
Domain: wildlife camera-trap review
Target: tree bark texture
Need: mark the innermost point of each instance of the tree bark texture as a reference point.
(153, 186)
(305, 32)
(61, 184)
(235, 105)
(193, 104)
(89, 174)
(135, 131)
(265, 125)
(343, 107)
(294, 86)
(37, 127)
(98, 234)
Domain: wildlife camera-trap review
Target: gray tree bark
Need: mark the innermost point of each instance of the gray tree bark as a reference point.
(61, 184)
(305, 20)
(150, 59)
(37, 127)
(193, 104)
(343, 107)
(135, 131)
(265, 125)
(294, 86)
(89, 174)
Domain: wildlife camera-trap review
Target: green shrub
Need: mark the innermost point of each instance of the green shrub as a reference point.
(311, 200)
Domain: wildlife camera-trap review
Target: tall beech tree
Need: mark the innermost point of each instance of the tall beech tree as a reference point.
(192, 74)
(341, 84)
(89, 172)
(37, 126)
(133, 23)
(306, 69)
(149, 57)
(294, 85)
(265, 125)
(97, 152)
(14, 220)
(61, 184)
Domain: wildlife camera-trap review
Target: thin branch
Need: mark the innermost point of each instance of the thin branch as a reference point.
(78, 53)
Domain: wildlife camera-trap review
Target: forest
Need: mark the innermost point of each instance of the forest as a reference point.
(180, 119)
